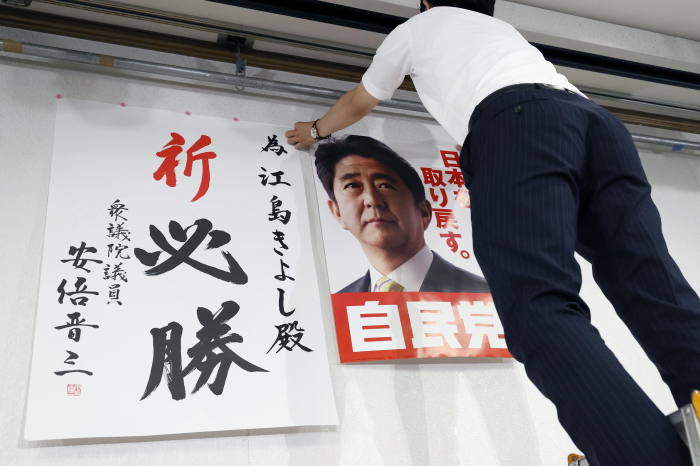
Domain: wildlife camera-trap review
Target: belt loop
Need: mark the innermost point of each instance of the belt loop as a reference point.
(481, 106)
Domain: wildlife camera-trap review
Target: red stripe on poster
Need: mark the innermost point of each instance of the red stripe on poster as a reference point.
(382, 326)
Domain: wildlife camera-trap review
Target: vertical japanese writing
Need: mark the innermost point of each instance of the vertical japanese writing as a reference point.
(213, 348)
(289, 334)
(442, 184)
(117, 251)
(79, 294)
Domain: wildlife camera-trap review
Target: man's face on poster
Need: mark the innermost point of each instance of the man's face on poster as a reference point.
(376, 206)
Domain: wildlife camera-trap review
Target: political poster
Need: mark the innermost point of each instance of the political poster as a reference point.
(178, 289)
(397, 241)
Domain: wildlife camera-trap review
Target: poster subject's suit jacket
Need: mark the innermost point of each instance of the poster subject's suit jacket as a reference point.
(442, 277)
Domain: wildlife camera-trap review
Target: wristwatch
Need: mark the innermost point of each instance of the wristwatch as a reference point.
(314, 133)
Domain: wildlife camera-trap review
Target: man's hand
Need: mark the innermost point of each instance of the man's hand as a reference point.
(300, 136)
(349, 109)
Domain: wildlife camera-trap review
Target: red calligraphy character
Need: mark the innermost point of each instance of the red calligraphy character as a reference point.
(451, 241)
(450, 159)
(432, 177)
(445, 218)
(205, 157)
(436, 196)
(462, 197)
(169, 153)
(456, 177)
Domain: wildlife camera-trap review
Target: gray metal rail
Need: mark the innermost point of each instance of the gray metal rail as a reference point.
(675, 144)
(189, 73)
(243, 81)
(641, 101)
(141, 13)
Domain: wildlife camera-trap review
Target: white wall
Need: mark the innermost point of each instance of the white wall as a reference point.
(478, 413)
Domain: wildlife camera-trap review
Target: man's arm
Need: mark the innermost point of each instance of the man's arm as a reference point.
(348, 110)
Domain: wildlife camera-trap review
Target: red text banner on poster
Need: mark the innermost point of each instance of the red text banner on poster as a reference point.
(379, 326)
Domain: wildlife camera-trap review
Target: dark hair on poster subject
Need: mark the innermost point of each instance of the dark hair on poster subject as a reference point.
(332, 151)
(480, 6)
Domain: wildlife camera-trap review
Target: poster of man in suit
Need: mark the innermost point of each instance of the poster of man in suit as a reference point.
(397, 237)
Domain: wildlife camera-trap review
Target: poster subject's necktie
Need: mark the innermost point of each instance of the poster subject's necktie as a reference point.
(387, 284)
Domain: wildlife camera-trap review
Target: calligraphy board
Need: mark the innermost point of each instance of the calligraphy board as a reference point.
(178, 289)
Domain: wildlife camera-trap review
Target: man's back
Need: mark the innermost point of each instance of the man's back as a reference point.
(456, 57)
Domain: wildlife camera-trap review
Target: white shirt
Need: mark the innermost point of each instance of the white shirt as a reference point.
(456, 58)
(410, 274)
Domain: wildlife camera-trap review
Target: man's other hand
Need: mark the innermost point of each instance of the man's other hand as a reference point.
(300, 136)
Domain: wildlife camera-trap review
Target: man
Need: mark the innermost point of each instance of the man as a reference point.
(378, 196)
(549, 173)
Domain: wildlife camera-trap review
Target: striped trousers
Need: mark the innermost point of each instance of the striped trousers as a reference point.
(550, 173)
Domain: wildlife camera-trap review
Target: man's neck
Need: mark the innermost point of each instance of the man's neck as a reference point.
(387, 261)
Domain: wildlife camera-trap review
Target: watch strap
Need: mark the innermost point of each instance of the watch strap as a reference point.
(318, 137)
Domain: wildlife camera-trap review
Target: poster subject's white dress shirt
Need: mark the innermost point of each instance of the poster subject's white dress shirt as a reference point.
(456, 58)
(410, 274)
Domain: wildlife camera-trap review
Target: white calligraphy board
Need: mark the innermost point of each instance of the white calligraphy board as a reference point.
(105, 156)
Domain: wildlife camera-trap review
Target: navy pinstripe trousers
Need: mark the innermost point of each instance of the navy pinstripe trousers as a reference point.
(550, 173)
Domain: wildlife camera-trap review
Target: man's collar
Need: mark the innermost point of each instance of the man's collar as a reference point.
(410, 274)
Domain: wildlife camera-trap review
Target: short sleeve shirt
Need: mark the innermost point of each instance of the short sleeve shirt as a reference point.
(456, 58)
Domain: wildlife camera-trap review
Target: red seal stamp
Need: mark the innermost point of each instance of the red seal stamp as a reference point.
(74, 389)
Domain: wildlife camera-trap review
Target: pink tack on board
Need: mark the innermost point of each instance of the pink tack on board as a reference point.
(59, 96)
(235, 119)
(188, 113)
(122, 104)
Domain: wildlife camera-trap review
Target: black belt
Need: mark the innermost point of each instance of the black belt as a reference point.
(495, 95)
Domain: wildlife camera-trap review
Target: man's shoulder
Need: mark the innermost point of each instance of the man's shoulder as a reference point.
(446, 277)
(360, 285)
